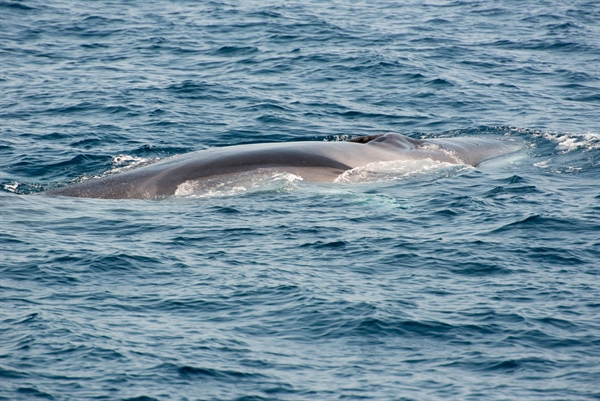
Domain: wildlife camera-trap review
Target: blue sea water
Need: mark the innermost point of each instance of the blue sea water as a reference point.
(426, 282)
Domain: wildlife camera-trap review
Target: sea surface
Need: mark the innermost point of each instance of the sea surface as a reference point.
(417, 281)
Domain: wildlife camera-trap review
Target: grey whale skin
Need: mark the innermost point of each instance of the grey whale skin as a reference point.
(313, 161)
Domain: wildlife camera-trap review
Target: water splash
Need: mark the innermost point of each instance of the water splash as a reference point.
(125, 162)
(262, 180)
(427, 169)
(569, 142)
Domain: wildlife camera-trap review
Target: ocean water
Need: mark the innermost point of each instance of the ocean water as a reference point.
(417, 281)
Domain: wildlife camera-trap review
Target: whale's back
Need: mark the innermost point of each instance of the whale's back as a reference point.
(313, 161)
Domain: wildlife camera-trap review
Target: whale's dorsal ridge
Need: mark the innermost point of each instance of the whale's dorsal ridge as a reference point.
(365, 139)
(392, 140)
(388, 139)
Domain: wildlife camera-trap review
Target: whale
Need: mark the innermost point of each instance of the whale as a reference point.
(318, 161)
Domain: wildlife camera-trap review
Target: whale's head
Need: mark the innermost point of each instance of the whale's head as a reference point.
(470, 150)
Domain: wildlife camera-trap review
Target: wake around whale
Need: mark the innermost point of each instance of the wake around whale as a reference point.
(313, 161)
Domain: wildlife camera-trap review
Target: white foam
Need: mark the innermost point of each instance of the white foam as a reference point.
(261, 180)
(438, 148)
(126, 162)
(339, 138)
(568, 142)
(543, 164)
(400, 169)
(12, 187)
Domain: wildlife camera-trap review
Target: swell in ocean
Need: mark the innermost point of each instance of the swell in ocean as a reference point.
(400, 281)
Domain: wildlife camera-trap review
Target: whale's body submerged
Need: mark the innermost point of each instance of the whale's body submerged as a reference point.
(313, 161)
